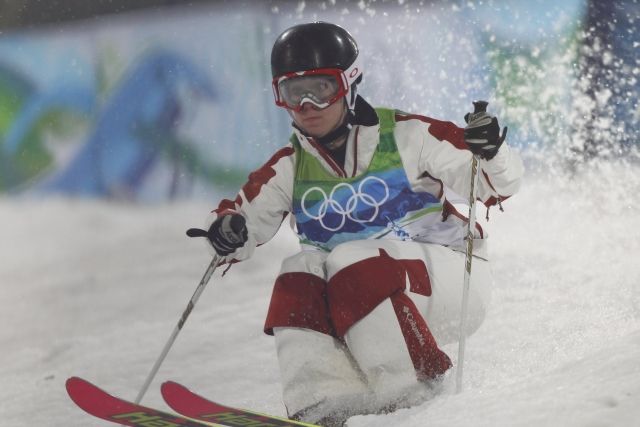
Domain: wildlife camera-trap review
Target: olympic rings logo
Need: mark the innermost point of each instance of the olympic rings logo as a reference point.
(349, 209)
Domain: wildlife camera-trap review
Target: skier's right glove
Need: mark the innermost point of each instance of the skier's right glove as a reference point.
(226, 234)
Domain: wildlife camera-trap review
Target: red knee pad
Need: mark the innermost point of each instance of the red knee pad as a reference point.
(357, 289)
(428, 360)
(299, 300)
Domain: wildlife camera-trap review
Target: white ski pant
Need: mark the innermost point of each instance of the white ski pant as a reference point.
(360, 327)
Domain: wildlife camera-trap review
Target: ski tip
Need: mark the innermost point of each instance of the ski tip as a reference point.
(170, 387)
(167, 386)
(173, 393)
(180, 398)
(72, 380)
(80, 391)
(75, 385)
(170, 384)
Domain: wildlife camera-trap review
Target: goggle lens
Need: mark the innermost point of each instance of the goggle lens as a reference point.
(318, 89)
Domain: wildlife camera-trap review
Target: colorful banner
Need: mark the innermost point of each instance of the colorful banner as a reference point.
(175, 103)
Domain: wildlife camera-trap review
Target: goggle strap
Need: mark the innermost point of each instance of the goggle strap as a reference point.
(352, 73)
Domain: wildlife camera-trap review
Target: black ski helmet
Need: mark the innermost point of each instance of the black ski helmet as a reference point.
(317, 45)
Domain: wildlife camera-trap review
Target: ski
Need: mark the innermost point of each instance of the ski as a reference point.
(101, 404)
(192, 405)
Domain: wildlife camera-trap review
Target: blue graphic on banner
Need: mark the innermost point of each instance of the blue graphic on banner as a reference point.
(137, 126)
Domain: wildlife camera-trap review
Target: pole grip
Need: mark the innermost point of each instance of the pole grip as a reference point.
(480, 107)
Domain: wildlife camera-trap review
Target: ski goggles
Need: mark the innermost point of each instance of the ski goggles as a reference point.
(320, 87)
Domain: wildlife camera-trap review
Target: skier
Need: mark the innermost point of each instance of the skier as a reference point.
(360, 313)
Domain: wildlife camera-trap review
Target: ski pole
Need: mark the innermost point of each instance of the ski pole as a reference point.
(192, 302)
(479, 107)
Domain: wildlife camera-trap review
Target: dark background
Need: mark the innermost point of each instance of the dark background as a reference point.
(16, 14)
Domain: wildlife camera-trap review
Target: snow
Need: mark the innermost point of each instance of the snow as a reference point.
(94, 289)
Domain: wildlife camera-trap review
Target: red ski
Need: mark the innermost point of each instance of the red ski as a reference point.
(101, 404)
(192, 405)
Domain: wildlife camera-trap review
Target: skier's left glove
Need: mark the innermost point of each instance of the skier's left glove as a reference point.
(226, 234)
(482, 134)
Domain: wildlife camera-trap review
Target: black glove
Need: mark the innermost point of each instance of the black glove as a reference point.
(226, 234)
(482, 133)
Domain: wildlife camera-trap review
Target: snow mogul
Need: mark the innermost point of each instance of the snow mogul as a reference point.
(360, 314)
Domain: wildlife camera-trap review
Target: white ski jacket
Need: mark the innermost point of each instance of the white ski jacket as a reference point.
(435, 159)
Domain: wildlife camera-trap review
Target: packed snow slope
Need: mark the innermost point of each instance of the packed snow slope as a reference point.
(94, 289)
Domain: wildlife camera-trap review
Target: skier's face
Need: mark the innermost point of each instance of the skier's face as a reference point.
(319, 122)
